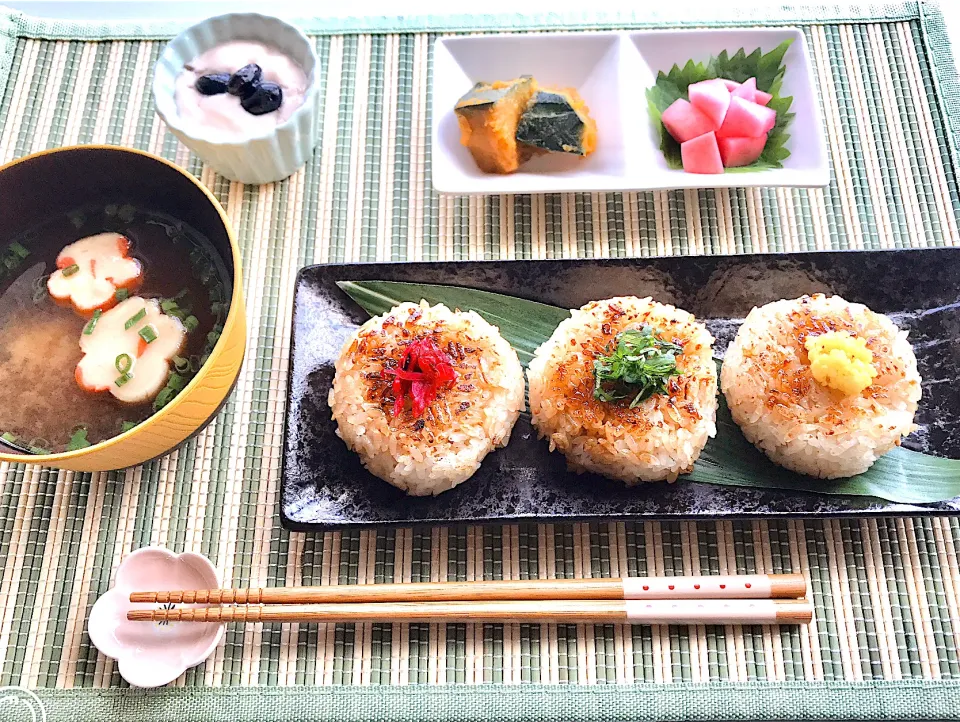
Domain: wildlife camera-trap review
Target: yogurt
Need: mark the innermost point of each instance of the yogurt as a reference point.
(221, 116)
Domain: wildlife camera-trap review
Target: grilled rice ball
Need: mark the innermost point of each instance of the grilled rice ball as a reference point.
(425, 436)
(836, 425)
(657, 440)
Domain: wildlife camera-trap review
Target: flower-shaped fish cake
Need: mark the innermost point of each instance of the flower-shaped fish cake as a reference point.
(90, 271)
(127, 350)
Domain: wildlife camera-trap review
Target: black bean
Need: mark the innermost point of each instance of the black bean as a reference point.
(245, 81)
(265, 99)
(212, 84)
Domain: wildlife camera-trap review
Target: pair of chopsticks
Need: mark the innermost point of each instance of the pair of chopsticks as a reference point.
(747, 599)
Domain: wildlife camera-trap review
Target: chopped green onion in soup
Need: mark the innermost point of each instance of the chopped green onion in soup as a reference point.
(89, 328)
(124, 363)
(135, 319)
(148, 334)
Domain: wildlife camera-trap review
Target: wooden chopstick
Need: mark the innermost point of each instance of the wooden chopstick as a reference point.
(656, 611)
(753, 586)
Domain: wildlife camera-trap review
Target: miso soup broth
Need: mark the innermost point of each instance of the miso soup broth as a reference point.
(42, 407)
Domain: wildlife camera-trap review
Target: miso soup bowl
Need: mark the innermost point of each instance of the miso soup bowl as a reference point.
(56, 181)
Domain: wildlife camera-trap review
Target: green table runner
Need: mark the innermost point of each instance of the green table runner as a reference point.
(887, 591)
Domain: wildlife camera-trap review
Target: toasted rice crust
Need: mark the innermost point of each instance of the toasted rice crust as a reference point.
(656, 441)
(800, 424)
(446, 445)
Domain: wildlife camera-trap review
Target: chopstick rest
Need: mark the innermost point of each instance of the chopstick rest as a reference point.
(151, 655)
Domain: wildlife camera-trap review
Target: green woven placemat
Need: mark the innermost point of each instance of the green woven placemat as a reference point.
(887, 628)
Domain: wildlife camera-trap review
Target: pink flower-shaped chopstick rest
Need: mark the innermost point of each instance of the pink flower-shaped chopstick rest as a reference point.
(151, 654)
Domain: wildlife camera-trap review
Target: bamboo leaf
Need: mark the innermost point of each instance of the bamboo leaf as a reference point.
(901, 476)
(767, 68)
(524, 324)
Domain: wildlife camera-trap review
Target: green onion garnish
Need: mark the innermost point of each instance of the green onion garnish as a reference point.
(213, 337)
(163, 398)
(71, 269)
(18, 250)
(190, 323)
(176, 382)
(78, 440)
(135, 319)
(88, 329)
(8, 437)
(124, 363)
(123, 379)
(172, 308)
(122, 294)
(39, 450)
(148, 334)
(126, 426)
(39, 446)
(183, 294)
(637, 366)
(181, 364)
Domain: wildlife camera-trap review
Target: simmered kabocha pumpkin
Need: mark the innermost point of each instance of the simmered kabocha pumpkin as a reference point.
(488, 116)
(558, 121)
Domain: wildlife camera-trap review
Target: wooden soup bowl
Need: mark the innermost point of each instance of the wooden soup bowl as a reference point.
(55, 181)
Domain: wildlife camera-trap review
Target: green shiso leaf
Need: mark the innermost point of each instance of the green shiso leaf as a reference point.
(901, 476)
(767, 68)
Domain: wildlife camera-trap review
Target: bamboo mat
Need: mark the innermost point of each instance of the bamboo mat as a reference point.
(887, 628)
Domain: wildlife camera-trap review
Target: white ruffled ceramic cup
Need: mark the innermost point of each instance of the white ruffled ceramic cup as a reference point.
(256, 159)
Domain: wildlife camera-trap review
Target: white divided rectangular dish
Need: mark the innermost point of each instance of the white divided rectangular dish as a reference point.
(612, 72)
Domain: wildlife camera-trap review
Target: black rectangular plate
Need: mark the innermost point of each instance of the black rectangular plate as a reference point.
(325, 487)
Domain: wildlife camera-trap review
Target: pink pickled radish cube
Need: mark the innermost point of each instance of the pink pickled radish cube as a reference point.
(746, 120)
(731, 84)
(736, 152)
(684, 122)
(747, 90)
(711, 98)
(701, 154)
(762, 98)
